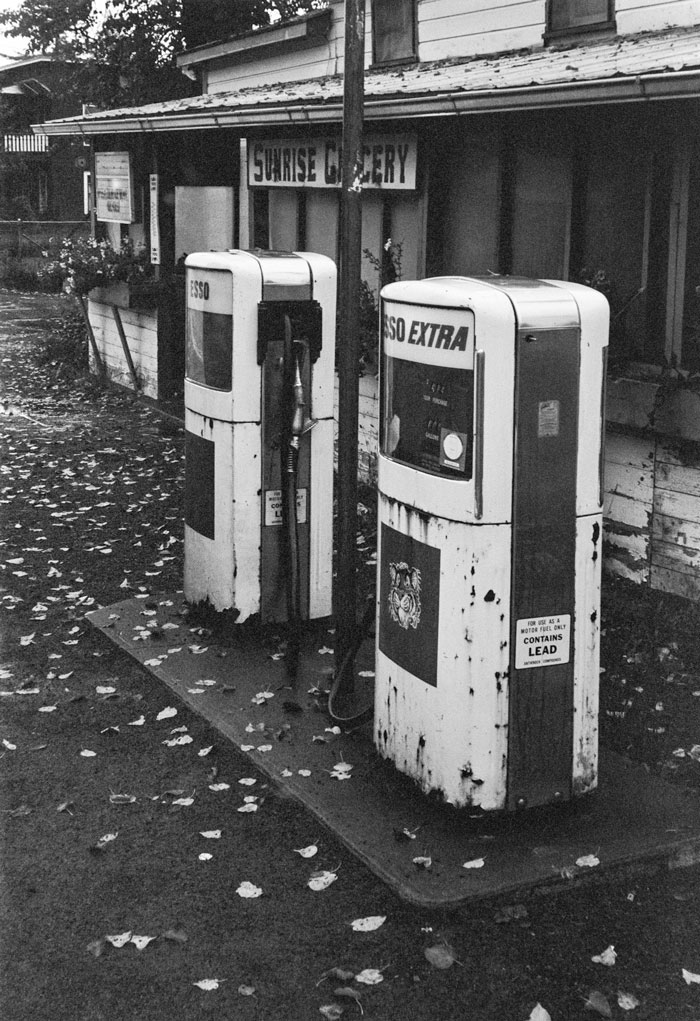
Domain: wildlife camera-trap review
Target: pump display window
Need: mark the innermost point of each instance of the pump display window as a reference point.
(429, 417)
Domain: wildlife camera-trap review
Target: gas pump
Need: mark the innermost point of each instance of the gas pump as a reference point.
(489, 545)
(259, 433)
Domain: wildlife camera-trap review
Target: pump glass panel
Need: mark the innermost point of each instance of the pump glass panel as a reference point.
(428, 388)
(209, 340)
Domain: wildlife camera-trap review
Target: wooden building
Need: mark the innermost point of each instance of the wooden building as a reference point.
(547, 138)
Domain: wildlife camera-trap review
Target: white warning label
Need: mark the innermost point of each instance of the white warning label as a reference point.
(542, 641)
(273, 506)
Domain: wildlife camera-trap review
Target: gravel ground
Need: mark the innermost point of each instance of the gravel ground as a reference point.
(110, 910)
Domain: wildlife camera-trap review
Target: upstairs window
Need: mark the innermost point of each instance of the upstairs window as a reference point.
(565, 17)
(393, 31)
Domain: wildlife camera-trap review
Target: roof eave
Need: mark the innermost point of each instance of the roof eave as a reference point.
(640, 88)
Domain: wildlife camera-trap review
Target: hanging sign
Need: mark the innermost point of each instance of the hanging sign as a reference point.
(113, 187)
(389, 162)
(155, 229)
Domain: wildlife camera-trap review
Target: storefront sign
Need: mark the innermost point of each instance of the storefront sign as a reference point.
(113, 187)
(389, 162)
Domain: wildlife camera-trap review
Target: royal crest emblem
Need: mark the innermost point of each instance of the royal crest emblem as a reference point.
(404, 595)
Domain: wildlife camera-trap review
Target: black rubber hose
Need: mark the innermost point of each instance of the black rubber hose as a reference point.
(347, 664)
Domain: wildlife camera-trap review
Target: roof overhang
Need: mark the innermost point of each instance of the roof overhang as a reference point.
(634, 70)
(306, 29)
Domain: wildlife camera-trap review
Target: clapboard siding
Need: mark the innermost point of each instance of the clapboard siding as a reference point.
(445, 29)
(291, 65)
(628, 505)
(141, 332)
(654, 15)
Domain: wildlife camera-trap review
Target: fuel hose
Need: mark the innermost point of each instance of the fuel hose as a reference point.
(344, 674)
(290, 467)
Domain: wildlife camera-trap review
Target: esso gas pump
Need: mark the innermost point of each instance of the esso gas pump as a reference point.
(260, 340)
(489, 545)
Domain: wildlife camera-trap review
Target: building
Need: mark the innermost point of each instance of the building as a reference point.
(548, 139)
(41, 178)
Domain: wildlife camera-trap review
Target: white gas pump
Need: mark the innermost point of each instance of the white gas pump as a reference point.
(259, 433)
(489, 546)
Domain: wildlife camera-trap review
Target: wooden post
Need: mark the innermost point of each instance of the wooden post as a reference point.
(348, 338)
(125, 347)
(91, 337)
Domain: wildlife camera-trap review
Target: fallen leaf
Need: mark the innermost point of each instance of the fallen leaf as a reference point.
(167, 713)
(596, 1001)
(331, 1011)
(106, 839)
(207, 984)
(248, 890)
(369, 977)
(175, 741)
(246, 990)
(368, 924)
(626, 1000)
(690, 977)
(440, 956)
(175, 935)
(340, 973)
(219, 786)
(423, 862)
(608, 957)
(348, 993)
(476, 863)
(66, 806)
(306, 852)
(96, 947)
(539, 1014)
(142, 941)
(210, 834)
(21, 810)
(87, 754)
(122, 799)
(588, 861)
(121, 940)
(247, 781)
(321, 880)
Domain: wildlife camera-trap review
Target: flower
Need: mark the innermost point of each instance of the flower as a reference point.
(83, 263)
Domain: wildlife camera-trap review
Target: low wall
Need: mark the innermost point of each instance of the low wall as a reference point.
(140, 331)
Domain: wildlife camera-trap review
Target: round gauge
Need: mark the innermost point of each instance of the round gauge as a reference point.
(453, 446)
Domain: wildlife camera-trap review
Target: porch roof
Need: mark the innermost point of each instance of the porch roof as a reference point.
(649, 66)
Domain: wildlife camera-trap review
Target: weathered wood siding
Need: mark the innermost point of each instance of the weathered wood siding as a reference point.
(628, 504)
(141, 331)
(446, 28)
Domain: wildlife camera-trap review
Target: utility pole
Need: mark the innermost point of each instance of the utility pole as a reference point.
(348, 332)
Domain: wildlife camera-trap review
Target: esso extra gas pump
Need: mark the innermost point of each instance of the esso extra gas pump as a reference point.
(489, 545)
(260, 338)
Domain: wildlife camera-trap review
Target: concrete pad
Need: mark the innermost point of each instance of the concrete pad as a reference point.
(633, 822)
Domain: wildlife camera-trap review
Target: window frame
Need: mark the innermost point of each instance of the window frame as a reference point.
(407, 58)
(608, 24)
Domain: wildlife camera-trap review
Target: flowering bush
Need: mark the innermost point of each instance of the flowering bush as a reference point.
(84, 263)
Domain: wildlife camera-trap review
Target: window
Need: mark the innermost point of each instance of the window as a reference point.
(393, 31)
(567, 16)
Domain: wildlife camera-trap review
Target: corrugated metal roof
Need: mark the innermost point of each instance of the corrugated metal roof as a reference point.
(647, 66)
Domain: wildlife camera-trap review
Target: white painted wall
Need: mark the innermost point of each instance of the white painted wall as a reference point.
(446, 28)
(141, 331)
